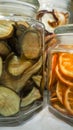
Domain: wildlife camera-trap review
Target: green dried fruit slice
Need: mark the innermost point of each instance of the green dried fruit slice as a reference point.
(33, 95)
(6, 29)
(9, 102)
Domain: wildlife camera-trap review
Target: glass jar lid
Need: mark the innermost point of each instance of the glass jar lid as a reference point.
(19, 7)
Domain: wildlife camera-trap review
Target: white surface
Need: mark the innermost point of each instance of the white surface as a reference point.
(44, 120)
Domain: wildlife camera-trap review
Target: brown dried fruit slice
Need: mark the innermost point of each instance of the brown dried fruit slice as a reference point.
(9, 102)
(68, 100)
(6, 29)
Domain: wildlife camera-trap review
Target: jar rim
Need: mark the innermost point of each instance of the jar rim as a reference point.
(17, 7)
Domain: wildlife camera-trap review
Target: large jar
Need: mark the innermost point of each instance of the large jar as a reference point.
(21, 61)
(60, 74)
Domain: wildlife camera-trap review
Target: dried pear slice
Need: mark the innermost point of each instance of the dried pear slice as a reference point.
(31, 44)
(4, 49)
(16, 65)
(31, 97)
(18, 83)
(1, 66)
(25, 24)
(37, 79)
(9, 102)
(6, 29)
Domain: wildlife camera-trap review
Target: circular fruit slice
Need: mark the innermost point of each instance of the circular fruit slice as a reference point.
(68, 100)
(52, 72)
(58, 106)
(66, 64)
(9, 101)
(60, 89)
(6, 29)
(63, 79)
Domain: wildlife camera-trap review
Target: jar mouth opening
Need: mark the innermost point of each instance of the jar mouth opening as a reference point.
(18, 8)
(17, 2)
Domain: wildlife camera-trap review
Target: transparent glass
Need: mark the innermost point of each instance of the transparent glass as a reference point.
(22, 67)
(60, 77)
(19, 7)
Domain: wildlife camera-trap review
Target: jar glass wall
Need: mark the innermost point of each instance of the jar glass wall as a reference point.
(60, 76)
(21, 66)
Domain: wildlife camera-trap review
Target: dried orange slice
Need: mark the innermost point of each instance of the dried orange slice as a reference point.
(63, 79)
(58, 106)
(60, 89)
(52, 72)
(68, 100)
(66, 64)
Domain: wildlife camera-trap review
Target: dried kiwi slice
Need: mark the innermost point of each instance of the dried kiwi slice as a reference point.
(6, 29)
(9, 102)
(33, 95)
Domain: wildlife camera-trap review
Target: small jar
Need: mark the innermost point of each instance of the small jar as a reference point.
(21, 61)
(60, 74)
(54, 13)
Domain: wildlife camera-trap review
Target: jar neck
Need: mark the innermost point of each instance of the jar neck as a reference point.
(17, 8)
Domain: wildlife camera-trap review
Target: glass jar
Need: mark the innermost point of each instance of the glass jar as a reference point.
(21, 62)
(60, 74)
(54, 13)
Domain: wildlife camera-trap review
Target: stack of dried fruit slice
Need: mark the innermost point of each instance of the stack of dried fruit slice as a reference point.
(21, 66)
(64, 83)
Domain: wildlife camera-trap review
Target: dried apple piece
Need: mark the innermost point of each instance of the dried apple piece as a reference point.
(17, 65)
(31, 97)
(31, 44)
(9, 102)
(6, 29)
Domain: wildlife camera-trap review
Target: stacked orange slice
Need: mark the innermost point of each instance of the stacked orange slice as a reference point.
(64, 86)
